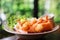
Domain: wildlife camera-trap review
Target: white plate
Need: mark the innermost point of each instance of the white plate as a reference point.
(6, 28)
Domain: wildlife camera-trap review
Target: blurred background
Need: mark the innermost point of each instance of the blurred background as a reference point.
(11, 10)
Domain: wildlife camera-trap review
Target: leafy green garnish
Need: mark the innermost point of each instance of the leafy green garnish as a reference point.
(12, 19)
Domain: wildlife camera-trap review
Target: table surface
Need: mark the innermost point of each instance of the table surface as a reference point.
(10, 38)
(49, 37)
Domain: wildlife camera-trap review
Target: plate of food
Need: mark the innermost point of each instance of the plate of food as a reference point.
(33, 27)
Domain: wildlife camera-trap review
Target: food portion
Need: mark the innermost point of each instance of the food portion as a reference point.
(34, 25)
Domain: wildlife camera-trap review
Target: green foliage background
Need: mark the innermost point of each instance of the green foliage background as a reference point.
(55, 8)
(18, 8)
